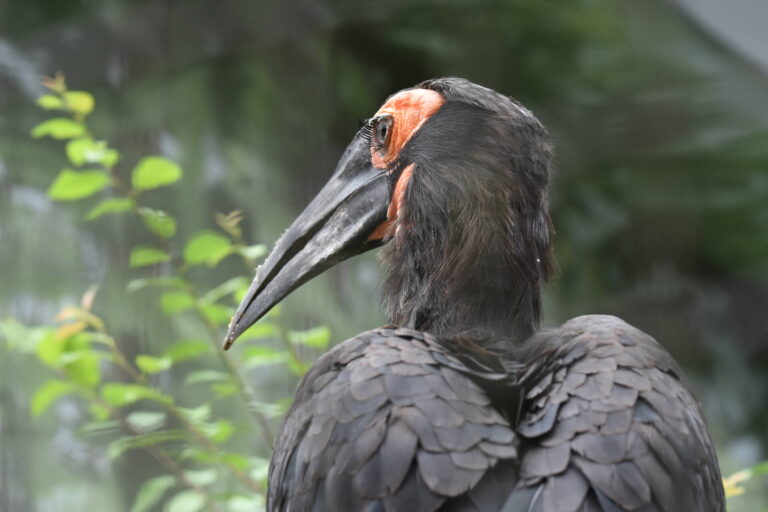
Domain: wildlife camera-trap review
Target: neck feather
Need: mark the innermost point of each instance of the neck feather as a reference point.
(472, 271)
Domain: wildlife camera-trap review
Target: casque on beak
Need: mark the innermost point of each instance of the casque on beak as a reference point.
(334, 226)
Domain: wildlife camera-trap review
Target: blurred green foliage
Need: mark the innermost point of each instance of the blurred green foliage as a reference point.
(129, 408)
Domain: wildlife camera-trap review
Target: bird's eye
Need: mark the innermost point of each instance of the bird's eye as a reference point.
(382, 130)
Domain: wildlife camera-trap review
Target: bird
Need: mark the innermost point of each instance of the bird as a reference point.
(463, 402)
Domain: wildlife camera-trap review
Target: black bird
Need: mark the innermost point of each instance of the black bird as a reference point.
(461, 404)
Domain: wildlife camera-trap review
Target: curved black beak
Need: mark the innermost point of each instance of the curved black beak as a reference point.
(335, 226)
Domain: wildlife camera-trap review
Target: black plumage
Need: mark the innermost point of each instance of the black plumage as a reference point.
(461, 405)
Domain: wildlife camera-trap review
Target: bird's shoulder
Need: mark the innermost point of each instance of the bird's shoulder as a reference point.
(390, 418)
(608, 418)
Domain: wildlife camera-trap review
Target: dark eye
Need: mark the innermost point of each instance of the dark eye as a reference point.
(382, 130)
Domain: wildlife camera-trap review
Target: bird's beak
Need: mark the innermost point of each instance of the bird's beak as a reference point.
(335, 226)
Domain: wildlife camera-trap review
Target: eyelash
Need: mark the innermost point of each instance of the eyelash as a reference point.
(366, 129)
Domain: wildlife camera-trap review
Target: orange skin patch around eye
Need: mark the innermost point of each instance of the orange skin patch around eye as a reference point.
(409, 111)
(383, 230)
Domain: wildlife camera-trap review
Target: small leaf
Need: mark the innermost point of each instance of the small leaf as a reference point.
(98, 412)
(253, 252)
(216, 314)
(146, 421)
(151, 492)
(319, 337)
(185, 350)
(207, 247)
(158, 222)
(175, 302)
(48, 393)
(225, 288)
(49, 350)
(202, 477)
(120, 446)
(223, 389)
(196, 415)
(80, 102)
(147, 282)
(85, 150)
(260, 356)
(242, 503)
(109, 158)
(110, 205)
(218, 432)
(70, 185)
(186, 501)
(260, 469)
(152, 364)
(143, 255)
(153, 172)
(58, 128)
(120, 394)
(50, 102)
(82, 367)
(207, 376)
(259, 330)
(100, 427)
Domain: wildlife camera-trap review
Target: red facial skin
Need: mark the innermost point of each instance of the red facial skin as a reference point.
(409, 110)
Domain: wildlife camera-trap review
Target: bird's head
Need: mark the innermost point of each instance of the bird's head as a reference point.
(452, 177)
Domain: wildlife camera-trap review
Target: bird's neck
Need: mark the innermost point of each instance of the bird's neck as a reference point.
(481, 283)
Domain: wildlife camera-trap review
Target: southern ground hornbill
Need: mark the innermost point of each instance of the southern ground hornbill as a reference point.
(461, 404)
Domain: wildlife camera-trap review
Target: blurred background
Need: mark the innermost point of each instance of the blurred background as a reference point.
(658, 110)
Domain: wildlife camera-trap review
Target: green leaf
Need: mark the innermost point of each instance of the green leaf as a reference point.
(217, 314)
(196, 415)
(202, 477)
(158, 222)
(85, 150)
(185, 350)
(219, 431)
(260, 469)
(22, 338)
(109, 205)
(49, 350)
(318, 337)
(98, 412)
(186, 501)
(152, 364)
(120, 446)
(234, 459)
(207, 247)
(272, 410)
(50, 102)
(223, 389)
(48, 393)
(146, 421)
(147, 282)
(100, 427)
(151, 492)
(120, 394)
(82, 367)
(260, 356)
(243, 503)
(143, 255)
(80, 102)
(207, 376)
(71, 185)
(153, 172)
(259, 330)
(225, 288)
(175, 302)
(59, 128)
(253, 252)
